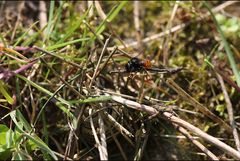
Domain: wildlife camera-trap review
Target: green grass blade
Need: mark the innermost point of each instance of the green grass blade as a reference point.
(226, 46)
(74, 27)
(3, 41)
(24, 34)
(42, 89)
(111, 15)
(61, 100)
(19, 155)
(35, 139)
(58, 15)
(92, 100)
(17, 115)
(31, 39)
(5, 93)
(65, 44)
(50, 20)
(14, 118)
(25, 123)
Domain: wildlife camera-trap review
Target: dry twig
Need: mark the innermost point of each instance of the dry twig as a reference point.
(20, 9)
(101, 149)
(99, 61)
(102, 137)
(42, 14)
(137, 24)
(230, 112)
(197, 143)
(175, 28)
(100, 10)
(196, 104)
(175, 120)
(166, 45)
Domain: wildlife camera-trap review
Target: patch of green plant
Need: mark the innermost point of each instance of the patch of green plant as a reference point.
(14, 145)
(230, 26)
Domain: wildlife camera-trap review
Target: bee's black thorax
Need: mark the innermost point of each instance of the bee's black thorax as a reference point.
(134, 65)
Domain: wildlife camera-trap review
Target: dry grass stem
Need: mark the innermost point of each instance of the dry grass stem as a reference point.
(169, 116)
(118, 126)
(175, 28)
(136, 18)
(100, 10)
(20, 8)
(197, 105)
(102, 137)
(98, 143)
(57, 56)
(167, 43)
(232, 152)
(91, 6)
(197, 143)
(42, 14)
(99, 61)
(230, 112)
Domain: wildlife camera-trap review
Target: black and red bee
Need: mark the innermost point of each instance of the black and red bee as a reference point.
(137, 65)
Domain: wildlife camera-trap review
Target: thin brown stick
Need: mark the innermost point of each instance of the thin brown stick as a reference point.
(12, 51)
(101, 144)
(90, 4)
(57, 56)
(102, 137)
(42, 14)
(94, 131)
(194, 137)
(62, 80)
(234, 153)
(169, 116)
(153, 37)
(19, 18)
(166, 45)
(97, 36)
(175, 28)
(105, 62)
(100, 10)
(62, 156)
(117, 125)
(118, 145)
(197, 143)
(69, 144)
(99, 61)
(227, 79)
(137, 24)
(197, 105)
(230, 112)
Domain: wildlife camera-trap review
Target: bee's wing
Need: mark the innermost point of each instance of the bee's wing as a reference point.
(118, 71)
(165, 70)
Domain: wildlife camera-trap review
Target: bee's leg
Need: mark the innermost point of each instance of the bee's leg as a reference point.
(148, 78)
(130, 75)
(133, 75)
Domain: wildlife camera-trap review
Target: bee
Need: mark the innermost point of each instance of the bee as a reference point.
(137, 65)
